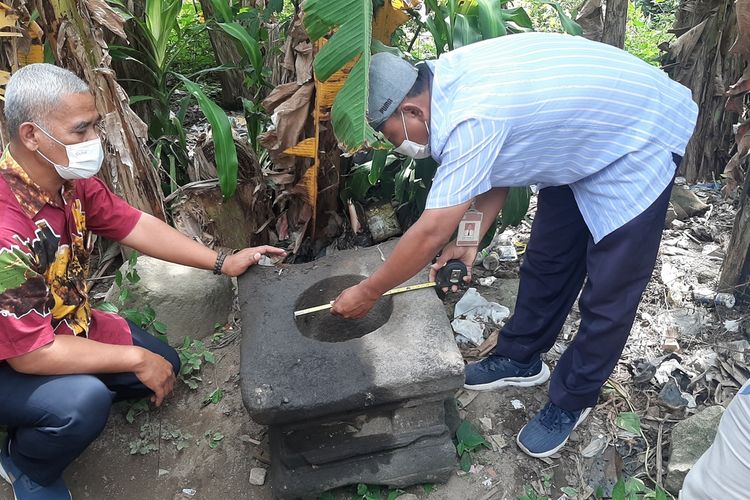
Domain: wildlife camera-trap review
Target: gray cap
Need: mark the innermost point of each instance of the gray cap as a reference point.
(391, 78)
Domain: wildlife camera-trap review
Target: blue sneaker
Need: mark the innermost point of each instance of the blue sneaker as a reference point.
(549, 430)
(26, 489)
(494, 372)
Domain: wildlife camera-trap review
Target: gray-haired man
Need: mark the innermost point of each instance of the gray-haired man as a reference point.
(62, 364)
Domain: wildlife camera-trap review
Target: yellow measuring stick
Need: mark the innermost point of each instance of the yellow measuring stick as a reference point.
(393, 291)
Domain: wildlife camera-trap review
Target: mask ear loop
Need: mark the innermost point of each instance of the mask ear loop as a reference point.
(403, 120)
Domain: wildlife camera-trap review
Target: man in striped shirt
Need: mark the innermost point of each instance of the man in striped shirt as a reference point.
(601, 134)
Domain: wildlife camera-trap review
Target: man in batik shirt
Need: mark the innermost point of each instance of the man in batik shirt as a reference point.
(62, 364)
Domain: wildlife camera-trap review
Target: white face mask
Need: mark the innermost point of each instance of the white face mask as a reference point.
(84, 159)
(411, 148)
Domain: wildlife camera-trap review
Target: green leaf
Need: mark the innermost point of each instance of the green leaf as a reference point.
(379, 157)
(249, 45)
(124, 294)
(629, 421)
(353, 20)
(571, 27)
(107, 307)
(209, 357)
(618, 492)
(140, 98)
(428, 488)
(516, 206)
(464, 33)
(467, 435)
(226, 151)
(222, 10)
(215, 397)
(394, 494)
(159, 327)
(519, 16)
(133, 315)
(466, 462)
(660, 493)
(133, 259)
(362, 489)
(491, 18)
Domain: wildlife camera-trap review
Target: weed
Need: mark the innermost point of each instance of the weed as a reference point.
(136, 407)
(369, 492)
(634, 489)
(144, 317)
(193, 353)
(214, 438)
(468, 441)
(151, 432)
(214, 397)
(531, 494)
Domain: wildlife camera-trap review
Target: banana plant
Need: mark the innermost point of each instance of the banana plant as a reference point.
(454, 23)
(152, 52)
(352, 20)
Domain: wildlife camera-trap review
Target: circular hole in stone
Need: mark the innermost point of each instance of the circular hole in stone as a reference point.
(326, 327)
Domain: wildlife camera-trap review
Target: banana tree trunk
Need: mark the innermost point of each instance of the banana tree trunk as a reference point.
(615, 19)
(74, 32)
(735, 272)
(700, 60)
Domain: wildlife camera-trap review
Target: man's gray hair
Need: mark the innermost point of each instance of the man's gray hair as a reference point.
(36, 89)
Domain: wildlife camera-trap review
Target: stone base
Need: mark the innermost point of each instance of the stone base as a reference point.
(395, 445)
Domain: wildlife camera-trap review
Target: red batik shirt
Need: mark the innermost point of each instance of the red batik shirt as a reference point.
(44, 257)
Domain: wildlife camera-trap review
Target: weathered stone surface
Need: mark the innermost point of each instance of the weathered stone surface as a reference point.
(685, 203)
(189, 301)
(257, 476)
(338, 366)
(690, 439)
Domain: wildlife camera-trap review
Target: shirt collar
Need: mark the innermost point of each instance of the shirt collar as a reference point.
(30, 196)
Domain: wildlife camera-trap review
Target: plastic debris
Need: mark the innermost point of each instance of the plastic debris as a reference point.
(517, 404)
(488, 281)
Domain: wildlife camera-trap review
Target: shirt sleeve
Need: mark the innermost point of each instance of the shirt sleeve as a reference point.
(107, 214)
(466, 162)
(25, 321)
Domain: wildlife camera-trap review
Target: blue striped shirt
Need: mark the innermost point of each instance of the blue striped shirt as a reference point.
(551, 110)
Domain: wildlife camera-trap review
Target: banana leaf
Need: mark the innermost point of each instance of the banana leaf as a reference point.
(226, 151)
(352, 20)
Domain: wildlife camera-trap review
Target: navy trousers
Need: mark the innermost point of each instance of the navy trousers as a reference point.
(52, 419)
(560, 256)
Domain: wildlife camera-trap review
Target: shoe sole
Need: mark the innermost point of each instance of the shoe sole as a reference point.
(584, 414)
(4, 475)
(537, 379)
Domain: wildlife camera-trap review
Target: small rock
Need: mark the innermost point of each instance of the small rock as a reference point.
(690, 439)
(258, 476)
(686, 204)
(574, 437)
(497, 441)
(486, 423)
(171, 290)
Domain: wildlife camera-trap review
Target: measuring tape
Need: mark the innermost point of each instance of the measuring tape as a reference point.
(451, 274)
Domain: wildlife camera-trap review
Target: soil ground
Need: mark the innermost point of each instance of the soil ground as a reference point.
(220, 469)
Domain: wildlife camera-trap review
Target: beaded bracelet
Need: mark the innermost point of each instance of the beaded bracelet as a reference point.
(219, 262)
